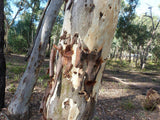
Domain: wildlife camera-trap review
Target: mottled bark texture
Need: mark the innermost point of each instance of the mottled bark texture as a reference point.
(2, 57)
(83, 48)
(20, 102)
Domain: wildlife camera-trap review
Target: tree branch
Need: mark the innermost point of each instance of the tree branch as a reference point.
(19, 10)
(40, 23)
(5, 19)
(150, 16)
(157, 24)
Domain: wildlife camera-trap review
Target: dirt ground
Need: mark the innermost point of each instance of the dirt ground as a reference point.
(120, 97)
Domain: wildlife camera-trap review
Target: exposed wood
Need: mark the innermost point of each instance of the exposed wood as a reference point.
(51, 62)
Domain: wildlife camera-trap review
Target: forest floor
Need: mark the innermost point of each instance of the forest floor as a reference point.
(120, 98)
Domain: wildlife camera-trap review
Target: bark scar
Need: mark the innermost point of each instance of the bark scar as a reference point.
(93, 61)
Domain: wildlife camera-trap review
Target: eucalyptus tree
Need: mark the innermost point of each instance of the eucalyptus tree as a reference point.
(9, 19)
(78, 61)
(153, 31)
(139, 39)
(82, 52)
(126, 16)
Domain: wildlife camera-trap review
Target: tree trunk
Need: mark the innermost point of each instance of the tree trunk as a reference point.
(146, 52)
(137, 56)
(121, 54)
(20, 101)
(113, 54)
(6, 39)
(87, 34)
(117, 53)
(142, 55)
(130, 57)
(2, 58)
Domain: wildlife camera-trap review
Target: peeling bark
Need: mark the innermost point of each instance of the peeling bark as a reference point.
(87, 33)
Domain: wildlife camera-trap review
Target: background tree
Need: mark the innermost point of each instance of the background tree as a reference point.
(25, 27)
(18, 38)
(34, 11)
(153, 29)
(135, 34)
(124, 26)
(2, 58)
(9, 20)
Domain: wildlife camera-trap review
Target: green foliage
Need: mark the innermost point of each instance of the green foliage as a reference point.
(7, 9)
(16, 69)
(152, 66)
(156, 52)
(40, 80)
(134, 35)
(18, 44)
(45, 76)
(119, 64)
(45, 84)
(127, 14)
(16, 77)
(9, 63)
(127, 105)
(22, 32)
(12, 88)
(96, 118)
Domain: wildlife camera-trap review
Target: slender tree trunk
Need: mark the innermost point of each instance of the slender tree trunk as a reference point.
(19, 103)
(121, 54)
(146, 51)
(113, 54)
(6, 38)
(2, 57)
(87, 34)
(137, 56)
(117, 53)
(142, 55)
(130, 55)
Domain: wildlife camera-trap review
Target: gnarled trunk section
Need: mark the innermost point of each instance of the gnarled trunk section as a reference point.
(20, 102)
(87, 33)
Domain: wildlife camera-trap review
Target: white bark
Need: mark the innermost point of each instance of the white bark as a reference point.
(87, 33)
(19, 104)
